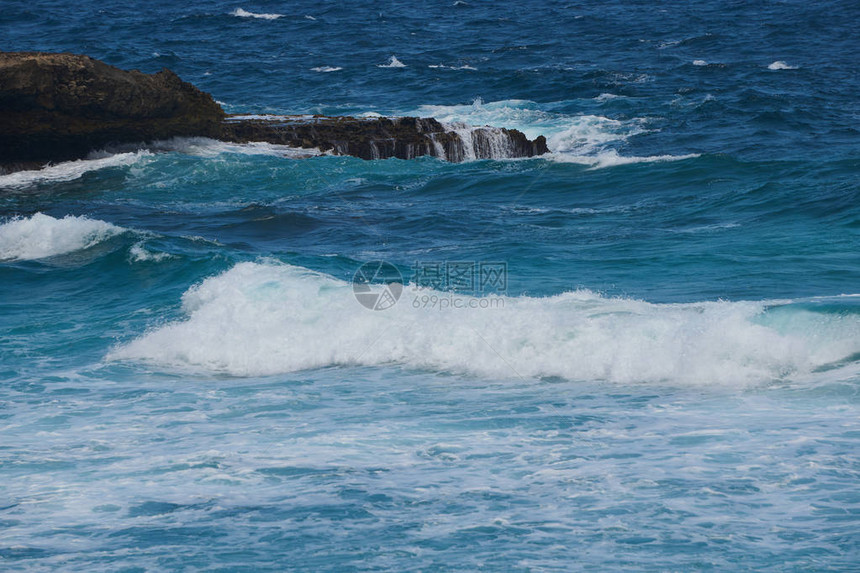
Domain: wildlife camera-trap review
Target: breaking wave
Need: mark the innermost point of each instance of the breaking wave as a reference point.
(42, 236)
(585, 139)
(268, 318)
(69, 170)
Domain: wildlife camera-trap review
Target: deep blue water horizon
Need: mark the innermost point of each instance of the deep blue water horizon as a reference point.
(667, 380)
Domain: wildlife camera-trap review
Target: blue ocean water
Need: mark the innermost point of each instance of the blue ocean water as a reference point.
(667, 378)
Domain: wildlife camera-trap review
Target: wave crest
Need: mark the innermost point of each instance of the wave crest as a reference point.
(393, 62)
(245, 14)
(780, 65)
(69, 170)
(42, 236)
(269, 318)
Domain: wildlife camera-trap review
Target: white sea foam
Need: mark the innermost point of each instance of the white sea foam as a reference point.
(517, 114)
(140, 254)
(41, 236)
(393, 62)
(584, 139)
(580, 134)
(780, 65)
(205, 147)
(69, 170)
(267, 318)
(586, 135)
(444, 67)
(327, 69)
(266, 116)
(269, 117)
(700, 63)
(245, 14)
(612, 158)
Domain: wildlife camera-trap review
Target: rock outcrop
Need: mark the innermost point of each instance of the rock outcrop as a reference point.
(58, 107)
(55, 107)
(384, 137)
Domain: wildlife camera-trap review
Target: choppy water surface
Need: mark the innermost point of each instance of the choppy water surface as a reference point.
(667, 378)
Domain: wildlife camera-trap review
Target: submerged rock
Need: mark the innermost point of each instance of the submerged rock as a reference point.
(59, 107)
(56, 107)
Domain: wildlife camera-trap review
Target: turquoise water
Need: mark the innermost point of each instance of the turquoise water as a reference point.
(667, 378)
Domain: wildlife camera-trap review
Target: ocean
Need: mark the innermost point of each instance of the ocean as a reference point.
(640, 352)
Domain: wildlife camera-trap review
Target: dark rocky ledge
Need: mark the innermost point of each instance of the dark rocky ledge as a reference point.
(384, 137)
(59, 107)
